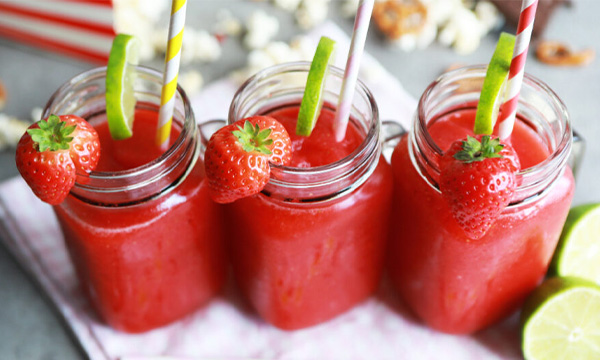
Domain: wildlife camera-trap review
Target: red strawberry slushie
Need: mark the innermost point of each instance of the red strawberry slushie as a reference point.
(303, 261)
(142, 232)
(151, 262)
(455, 284)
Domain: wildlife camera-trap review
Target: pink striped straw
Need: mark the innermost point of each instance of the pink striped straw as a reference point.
(359, 35)
(508, 111)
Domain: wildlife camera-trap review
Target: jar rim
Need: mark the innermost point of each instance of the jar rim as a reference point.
(299, 66)
(151, 166)
(528, 80)
(318, 184)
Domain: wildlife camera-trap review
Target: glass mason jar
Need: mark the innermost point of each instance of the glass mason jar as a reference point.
(459, 285)
(146, 242)
(311, 245)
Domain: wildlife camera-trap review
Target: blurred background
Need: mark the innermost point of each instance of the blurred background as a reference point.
(43, 43)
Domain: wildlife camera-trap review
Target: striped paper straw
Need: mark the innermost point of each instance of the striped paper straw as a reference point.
(172, 59)
(359, 35)
(508, 111)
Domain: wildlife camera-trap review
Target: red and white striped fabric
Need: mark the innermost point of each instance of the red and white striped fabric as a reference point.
(83, 29)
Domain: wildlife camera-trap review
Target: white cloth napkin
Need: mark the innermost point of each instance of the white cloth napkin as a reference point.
(379, 328)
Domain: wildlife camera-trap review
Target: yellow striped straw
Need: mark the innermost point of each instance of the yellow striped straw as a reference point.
(172, 59)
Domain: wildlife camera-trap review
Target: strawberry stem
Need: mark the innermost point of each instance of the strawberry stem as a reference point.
(52, 134)
(252, 138)
(473, 150)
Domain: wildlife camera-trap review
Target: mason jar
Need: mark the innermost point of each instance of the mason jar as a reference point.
(456, 284)
(311, 245)
(144, 237)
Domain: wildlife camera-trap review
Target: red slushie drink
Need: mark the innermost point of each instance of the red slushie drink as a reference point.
(142, 232)
(454, 283)
(311, 245)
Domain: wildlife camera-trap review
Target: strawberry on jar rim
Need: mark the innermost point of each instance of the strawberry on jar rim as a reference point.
(238, 155)
(56, 152)
(85, 146)
(478, 180)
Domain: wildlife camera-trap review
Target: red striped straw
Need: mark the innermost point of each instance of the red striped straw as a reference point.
(359, 35)
(508, 111)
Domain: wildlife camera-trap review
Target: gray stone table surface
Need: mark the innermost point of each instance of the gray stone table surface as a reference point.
(30, 328)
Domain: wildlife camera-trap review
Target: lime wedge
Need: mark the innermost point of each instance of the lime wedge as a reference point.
(492, 91)
(120, 77)
(561, 320)
(578, 251)
(312, 100)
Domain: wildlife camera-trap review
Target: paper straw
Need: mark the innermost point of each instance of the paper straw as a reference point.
(359, 35)
(172, 59)
(508, 111)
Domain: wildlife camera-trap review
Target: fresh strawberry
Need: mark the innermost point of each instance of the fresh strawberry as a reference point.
(85, 146)
(478, 179)
(53, 153)
(238, 155)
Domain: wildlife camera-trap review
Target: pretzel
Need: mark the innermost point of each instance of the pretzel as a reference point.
(395, 18)
(556, 53)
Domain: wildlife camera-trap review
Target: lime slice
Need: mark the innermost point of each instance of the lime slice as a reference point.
(312, 100)
(492, 91)
(561, 320)
(120, 77)
(578, 251)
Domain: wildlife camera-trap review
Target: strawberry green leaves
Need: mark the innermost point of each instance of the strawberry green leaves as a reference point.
(473, 150)
(252, 138)
(52, 134)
